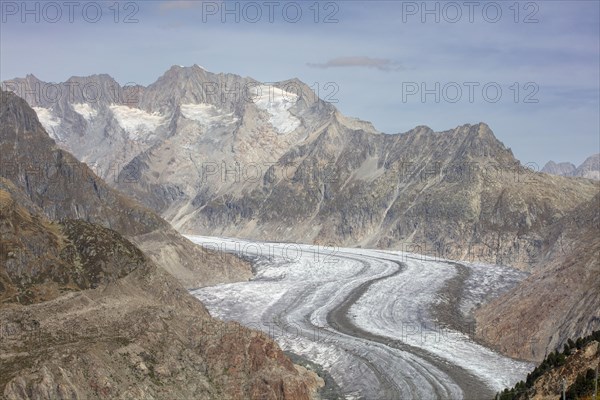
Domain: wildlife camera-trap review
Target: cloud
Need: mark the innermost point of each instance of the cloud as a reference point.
(382, 64)
(179, 5)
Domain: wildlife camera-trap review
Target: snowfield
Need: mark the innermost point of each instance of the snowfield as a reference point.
(207, 115)
(135, 122)
(49, 121)
(369, 317)
(85, 110)
(277, 103)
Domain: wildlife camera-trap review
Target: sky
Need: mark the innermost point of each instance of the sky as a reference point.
(529, 69)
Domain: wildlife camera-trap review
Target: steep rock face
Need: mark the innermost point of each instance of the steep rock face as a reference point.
(66, 188)
(84, 314)
(559, 300)
(42, 260)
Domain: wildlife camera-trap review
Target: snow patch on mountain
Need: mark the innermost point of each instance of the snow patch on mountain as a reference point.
(136, 122)
(207, 115)
(277, 103)
(49, 121)
(85, 110)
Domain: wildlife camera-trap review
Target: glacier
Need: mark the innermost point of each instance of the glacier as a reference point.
(277, 102)
(135, 122)
(85, 110)
(207, 115)
(368, 317)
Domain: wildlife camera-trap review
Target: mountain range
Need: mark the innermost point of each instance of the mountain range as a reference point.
(224, 155)
(272, 161)
(590, 168)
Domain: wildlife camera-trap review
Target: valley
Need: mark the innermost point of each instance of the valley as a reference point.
(338, 200)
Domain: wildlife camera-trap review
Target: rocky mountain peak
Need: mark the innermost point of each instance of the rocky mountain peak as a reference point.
(479, 130)
(32, 78)
(192, 85)
(16, 112)
(177, 71)
(590, 168)
(480, 142)
(420, 130)
(561, 168)
(483, 130)
(465, 142)
(100, 78)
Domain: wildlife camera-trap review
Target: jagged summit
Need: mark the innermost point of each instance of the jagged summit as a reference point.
(590, 168)
(562, 168)
(178, 70)
(465, 142)
(481, 129)
(196, 66)
(94, 78)
(31, 77)
(419, 129)
(16, 112)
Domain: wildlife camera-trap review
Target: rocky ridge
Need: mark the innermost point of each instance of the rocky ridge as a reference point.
(559, 300)
(589, 169)
(235, 157)
(561, 168)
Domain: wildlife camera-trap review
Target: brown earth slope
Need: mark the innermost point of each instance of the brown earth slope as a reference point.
(42, 260)
(561, 297)
(84, 314)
